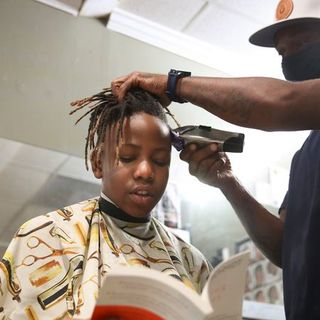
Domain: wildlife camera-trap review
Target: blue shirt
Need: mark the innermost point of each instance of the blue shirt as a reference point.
(301, 241)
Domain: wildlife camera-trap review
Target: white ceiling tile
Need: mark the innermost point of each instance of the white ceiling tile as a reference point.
(235, 57)
(26, 155)
(220, 27)
(260, 12)
(20, 182)
(75, 168)
(7, 210)
(8, 150)
(229, 24)
(173, 14)
(38, 158)
(171, 40)
(13, 223)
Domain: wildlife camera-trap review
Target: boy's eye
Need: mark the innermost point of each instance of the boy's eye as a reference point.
(126, 158)
(161, 162)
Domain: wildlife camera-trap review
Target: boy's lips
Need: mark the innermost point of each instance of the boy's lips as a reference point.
(142, 195)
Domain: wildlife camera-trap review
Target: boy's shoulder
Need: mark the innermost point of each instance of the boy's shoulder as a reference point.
(182, 245)
(171, 232)
(82, 208)
(72, 214)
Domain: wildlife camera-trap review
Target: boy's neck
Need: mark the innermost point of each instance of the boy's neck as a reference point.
(107, 206)
(103, 196)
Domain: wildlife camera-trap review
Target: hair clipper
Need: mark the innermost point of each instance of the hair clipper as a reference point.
(203, 135)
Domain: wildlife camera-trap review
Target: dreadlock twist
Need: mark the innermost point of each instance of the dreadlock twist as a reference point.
(104, 110)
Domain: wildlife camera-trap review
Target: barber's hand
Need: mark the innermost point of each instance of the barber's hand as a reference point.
(153, 83)
(208, 164)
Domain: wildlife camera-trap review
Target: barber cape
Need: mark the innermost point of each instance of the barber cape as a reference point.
(56, 263)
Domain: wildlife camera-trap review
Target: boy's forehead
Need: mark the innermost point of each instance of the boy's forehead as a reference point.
(140, 124)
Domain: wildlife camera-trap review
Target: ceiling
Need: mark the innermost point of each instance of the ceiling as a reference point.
(213, 32)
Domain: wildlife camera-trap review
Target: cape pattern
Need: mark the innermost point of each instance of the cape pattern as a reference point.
(56, 263)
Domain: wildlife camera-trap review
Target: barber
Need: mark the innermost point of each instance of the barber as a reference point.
(290, 241)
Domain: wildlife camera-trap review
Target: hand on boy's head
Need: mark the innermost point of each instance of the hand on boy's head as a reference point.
(208, 164)
(153, 83)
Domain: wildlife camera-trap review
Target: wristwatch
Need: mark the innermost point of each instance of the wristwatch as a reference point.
(173, 77)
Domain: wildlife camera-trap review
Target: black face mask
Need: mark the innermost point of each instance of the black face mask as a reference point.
(304, 64)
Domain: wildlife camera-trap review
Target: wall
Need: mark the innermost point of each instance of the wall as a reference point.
(49, 58)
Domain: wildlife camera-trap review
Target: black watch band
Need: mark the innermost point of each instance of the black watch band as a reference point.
(173, 77)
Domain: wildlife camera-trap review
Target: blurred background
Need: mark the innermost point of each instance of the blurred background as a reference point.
(53, 52)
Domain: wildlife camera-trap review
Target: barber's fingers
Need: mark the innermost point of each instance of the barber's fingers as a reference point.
(208, 164)
(194, 153)
(211, 165)
(153, 83)
(214, 173)
(120, 86)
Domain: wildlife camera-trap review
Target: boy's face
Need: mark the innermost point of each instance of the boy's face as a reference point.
(137, 182)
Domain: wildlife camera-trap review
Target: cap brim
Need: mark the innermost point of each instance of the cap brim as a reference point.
(265, 36)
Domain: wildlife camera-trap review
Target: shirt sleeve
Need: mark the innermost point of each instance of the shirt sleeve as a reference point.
(284, 203)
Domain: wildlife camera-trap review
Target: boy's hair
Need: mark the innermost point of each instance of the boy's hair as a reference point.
(105, 110)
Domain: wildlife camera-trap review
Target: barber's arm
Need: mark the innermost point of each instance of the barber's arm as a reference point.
(255, 102)
(214, 168)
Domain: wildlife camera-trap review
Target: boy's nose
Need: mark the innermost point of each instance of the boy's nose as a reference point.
(144, 170)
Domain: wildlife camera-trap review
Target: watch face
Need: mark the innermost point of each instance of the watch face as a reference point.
(179, 73)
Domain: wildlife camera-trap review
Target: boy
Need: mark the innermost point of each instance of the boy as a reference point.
(56, 263)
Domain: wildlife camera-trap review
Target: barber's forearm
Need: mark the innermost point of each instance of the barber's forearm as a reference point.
(263, 227)
(261, 103)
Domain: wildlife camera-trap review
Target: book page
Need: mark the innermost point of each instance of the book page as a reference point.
(225, 287)
(152, 290)
(263, 311)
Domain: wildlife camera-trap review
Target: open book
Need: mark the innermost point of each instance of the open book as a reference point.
(138, 293)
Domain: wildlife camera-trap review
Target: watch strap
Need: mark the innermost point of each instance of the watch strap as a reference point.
(173, 77)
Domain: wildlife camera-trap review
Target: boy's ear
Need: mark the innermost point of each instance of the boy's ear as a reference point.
(96, 162)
